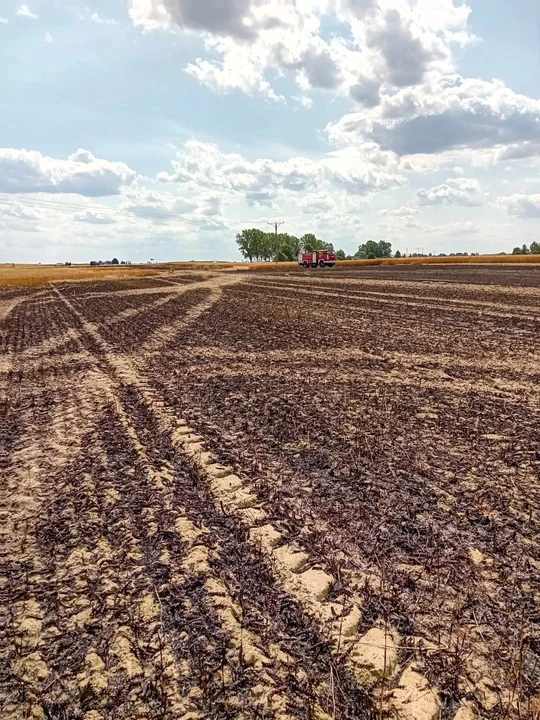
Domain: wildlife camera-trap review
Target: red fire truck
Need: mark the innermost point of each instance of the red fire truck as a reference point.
(320, 258)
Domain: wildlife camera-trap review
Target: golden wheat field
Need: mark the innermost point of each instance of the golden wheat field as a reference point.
(447, 260)
(295, 495)
(13, 275)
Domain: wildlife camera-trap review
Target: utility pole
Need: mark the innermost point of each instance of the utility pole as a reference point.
(276, 225)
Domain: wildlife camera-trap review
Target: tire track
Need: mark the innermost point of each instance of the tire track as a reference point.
(52, 437)
(429, 288)
(529, 366)
(403, 300)
(310, 588)
(244, 643)
(165, 336)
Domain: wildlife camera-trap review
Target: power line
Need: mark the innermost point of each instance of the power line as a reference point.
(8, 199)
(276, 225)
(64, 206)
(99, 210)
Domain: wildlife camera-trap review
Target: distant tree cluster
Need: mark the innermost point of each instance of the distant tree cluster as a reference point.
(534, 249)
(457, 254)
(255, 244)
(371, 250)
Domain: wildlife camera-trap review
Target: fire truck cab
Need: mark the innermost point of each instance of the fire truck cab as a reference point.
(320, 258)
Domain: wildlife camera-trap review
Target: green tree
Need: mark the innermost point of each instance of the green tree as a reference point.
(251, 243)
(535, 248)
(372, 249)
(385, 249)
(255, 244)
(517, 251)
(340, 255)
(397, 254)
(114, 261)
(366, 249)
(269, 246)
(310, 243)
(288, 247)
(524, 249)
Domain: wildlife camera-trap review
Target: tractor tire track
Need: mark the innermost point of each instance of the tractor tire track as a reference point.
(242, 641)
(163, 337)
(311, 587)
(53, 435)
(402, 300)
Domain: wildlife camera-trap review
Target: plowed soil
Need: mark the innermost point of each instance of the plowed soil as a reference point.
(305, 495)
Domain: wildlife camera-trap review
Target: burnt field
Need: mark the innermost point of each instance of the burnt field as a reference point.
(309, 495)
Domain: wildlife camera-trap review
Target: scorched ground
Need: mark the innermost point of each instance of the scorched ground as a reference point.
(273, 495)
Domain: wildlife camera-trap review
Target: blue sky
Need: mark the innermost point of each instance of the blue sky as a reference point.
(146, 128)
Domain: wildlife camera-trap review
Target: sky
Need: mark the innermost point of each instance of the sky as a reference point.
(161, 128)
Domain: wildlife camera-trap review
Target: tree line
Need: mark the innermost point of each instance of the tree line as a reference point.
(534, 249)
(257, 245)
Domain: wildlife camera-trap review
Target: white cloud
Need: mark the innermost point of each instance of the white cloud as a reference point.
(520, 205)
(235, 18)
(518, 151)
(261, 197)
(157, 205)
(321, 202)
(166, 207)
(28, 171)
(96, 18)
(204, 164)
(49, 38)
(26, 214)
(94, 218)
(24, 11)
(391, 57)
(235, 73)
(366, 92)
(382, 42)
(447, 113)
(260, 182)
(20, 211)
(459, 228)
(404, 53)
(448, 229)
(211, 205)
(403, 211)
(3, 21)
(455, 191)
